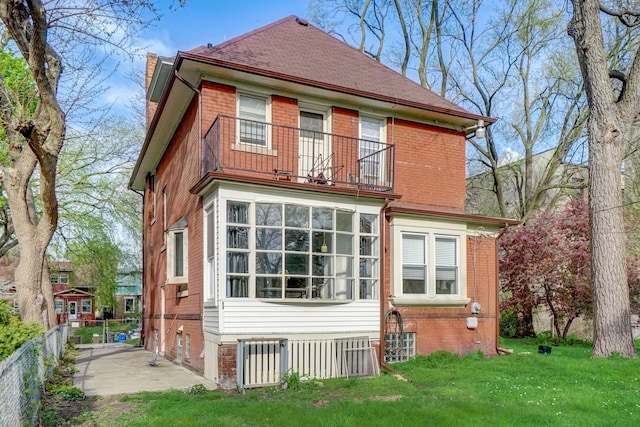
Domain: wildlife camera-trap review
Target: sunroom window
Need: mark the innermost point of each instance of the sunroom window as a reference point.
(292, 251)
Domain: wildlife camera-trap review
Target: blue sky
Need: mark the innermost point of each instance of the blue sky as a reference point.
(213, 21)
(197, 23)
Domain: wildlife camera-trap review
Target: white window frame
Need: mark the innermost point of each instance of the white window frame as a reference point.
(222, 273)
(63, 278)
(172, 277)
(379, 178)
(54, 278)
(82, 308)
(248, 145)
(431, 230)
(210, 254)
(133, 305)
(59, 303)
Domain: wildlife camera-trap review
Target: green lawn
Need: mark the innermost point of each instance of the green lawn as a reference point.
(87, 332)
(564, 388)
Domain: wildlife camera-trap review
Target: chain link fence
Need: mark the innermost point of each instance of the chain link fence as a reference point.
(22, 377)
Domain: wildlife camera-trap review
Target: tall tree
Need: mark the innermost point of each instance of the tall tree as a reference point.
(50, 36)
(614, 103)
(485, 60)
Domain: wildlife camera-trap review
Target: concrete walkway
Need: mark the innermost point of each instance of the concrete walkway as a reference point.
(121, 368)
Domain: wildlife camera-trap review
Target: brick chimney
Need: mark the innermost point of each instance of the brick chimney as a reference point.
(152, 61)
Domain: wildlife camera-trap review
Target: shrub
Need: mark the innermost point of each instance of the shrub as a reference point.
(14, 333)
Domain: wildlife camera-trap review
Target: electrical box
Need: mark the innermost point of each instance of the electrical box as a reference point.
(472, 322)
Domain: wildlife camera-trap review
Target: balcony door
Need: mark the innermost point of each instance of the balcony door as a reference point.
(314, 161)
(372, 157)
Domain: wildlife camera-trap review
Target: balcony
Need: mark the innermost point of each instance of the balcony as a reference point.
(295, 156)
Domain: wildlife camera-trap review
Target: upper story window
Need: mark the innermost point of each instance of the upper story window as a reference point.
(284, 251)
(177, 244)
(59, 278)
(252, 111)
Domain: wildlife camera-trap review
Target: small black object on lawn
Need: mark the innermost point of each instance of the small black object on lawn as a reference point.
(544, 349)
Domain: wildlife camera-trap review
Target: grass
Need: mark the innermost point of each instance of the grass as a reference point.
(564, 388)
(87, 332)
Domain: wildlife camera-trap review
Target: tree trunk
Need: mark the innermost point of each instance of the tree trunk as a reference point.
(608, 125)
(524, 325)
(611, 311)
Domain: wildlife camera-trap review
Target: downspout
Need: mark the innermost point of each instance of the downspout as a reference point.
(198, 92)
(499, 350)
(144, 267)
(383, 299)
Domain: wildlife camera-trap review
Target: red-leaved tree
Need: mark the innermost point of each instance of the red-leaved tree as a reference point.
(546, 263)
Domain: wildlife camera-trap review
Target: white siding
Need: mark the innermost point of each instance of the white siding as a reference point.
(265, 318)
(211, 317)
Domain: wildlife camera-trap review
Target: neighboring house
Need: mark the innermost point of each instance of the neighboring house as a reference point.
(568, 180)
(303, 205)
(75, 302)
(128, 295)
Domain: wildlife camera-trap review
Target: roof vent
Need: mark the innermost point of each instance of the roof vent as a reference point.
(302, 22)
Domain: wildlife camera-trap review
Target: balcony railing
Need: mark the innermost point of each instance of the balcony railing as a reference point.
(258, 149)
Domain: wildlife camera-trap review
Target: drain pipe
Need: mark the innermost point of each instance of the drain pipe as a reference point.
(382, 279)
(141, 342)
(499, 350)
(199, 93)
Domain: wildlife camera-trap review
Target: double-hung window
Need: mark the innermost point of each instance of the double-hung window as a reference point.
(86, 306)
(428, 263)
(252, 113)
(414, 264)
(129, 305)
(446, 265)
(177, 243)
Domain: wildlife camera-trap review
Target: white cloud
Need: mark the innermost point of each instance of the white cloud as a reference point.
(509, 156)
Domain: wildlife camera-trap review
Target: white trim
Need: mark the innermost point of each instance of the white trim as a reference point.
(82, 310)
(133, 305)
(172, 278)
(251, 194)
(248, 146)
(431, 230)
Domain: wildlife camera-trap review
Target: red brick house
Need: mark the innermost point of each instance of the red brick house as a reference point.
(304, 208)
(75, 302)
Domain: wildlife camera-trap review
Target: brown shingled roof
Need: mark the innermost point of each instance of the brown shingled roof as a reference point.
(292, 49)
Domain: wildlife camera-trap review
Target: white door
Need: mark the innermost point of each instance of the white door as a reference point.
(73, 310)
(314, 162)
(372, 157)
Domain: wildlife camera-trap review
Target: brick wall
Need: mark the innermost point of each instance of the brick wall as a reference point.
(429, 164)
